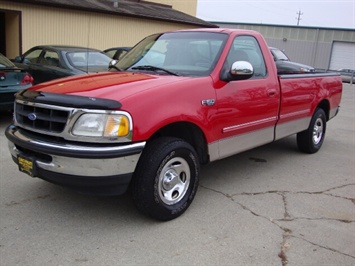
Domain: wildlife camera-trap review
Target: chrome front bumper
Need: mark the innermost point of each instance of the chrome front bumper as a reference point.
(75, 165)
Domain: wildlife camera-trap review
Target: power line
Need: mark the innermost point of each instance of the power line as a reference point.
(299, 13)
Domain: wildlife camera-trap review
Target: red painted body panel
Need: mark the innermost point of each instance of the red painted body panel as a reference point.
(155, 101)
(171, 98)
(301, 96)
(245, 106)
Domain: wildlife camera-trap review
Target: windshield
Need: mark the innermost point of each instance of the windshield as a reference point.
(5, 63)
(181, 53)
(88, 59)
(279, 55)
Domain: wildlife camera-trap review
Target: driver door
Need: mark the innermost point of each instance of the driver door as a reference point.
(247, 110)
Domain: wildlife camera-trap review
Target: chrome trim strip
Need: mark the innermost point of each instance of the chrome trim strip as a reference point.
(243, 142)
(239, 143)
(65, 148)
(282, 116)
(308, 75)
(249, 124)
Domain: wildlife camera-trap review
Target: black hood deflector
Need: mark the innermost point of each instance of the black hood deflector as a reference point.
(66, 100)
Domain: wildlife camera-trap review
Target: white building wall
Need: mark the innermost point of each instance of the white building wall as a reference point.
(307, 45)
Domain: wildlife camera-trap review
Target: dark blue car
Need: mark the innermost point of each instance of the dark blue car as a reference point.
(48, 62)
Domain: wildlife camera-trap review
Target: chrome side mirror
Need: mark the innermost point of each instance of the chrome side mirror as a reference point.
(113, 62)
(242, 70)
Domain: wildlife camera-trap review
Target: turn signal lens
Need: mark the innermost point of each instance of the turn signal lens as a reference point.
(102, 125)
(116, 126)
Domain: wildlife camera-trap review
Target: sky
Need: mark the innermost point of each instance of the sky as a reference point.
(313, 13)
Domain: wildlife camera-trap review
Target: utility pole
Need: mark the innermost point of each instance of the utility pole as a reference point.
(299, 13)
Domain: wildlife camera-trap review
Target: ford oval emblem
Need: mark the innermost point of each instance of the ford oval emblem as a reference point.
(32, 116)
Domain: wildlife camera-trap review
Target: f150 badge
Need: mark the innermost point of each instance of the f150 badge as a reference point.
(208, 102)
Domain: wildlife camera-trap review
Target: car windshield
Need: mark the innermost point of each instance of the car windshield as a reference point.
(178, 53)
(88, 59)
(5, 63)
(279, 55)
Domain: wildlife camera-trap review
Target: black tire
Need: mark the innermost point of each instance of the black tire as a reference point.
(311, 140)
(166, 178)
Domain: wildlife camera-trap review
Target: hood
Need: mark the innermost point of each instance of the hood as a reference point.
(109, 85)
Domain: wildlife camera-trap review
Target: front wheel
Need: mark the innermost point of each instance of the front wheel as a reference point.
(166, 178)
(311, 140)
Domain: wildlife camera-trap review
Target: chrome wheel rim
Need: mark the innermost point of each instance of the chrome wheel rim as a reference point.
(174, 180)
(318, 131)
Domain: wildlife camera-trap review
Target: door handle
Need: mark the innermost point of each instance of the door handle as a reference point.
(271, 92)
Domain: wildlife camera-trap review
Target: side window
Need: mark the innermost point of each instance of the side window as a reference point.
(77, 59)
(50, 58)
(246, 48)
(33, 56)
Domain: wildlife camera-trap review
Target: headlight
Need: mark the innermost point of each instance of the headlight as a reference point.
(102, 125)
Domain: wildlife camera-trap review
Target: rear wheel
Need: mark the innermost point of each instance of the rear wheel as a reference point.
(166, 178)
(311, 140)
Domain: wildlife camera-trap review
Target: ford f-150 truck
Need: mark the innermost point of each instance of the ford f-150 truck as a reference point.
(176, 101)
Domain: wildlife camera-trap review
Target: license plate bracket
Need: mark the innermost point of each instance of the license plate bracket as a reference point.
(27, 165)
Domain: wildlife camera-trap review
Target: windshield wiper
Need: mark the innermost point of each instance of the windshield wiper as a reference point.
(114, 66)
(154, 68)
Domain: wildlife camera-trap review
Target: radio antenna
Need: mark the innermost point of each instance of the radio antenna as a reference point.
(87, 46)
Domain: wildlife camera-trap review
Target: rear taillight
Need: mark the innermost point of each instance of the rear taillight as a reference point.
(27, 79)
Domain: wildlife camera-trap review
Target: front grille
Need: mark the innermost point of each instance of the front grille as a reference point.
(41, 118)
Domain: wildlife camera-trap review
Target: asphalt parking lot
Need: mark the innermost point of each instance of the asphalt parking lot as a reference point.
(269, 206)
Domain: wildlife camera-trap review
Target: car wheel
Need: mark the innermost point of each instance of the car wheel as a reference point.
(311, 140)
(166, 178)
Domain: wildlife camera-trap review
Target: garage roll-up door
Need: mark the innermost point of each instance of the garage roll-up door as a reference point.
(343, 55)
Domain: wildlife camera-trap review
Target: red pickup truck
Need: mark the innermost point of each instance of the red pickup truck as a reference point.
(176, 101)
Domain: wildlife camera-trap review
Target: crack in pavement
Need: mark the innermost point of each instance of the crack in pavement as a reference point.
(324, 247)
(301, 192)
(14, 203)
(287, 233)
(315, 219)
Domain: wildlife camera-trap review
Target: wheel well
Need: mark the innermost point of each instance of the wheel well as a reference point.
(325, 106)
(188, 132)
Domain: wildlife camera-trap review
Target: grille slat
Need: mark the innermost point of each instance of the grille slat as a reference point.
(40, 118)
